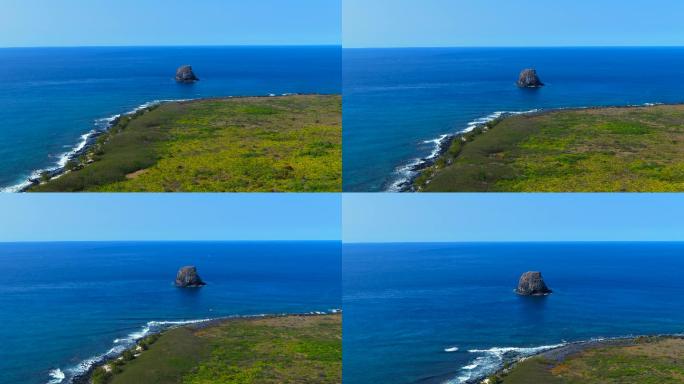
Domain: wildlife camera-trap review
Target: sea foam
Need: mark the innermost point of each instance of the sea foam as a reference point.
(120, 345)
(101, 125)
(404, 173)
(493, 359)
(56, 376)
(151, 327)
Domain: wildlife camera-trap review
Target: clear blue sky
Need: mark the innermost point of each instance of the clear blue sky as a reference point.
(169, 22)
(419, 23)
(142, 216)
(512, 217)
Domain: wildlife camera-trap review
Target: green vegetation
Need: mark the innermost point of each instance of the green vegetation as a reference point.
(635, 149)
(288, 349)
(647, 360)
(253, 144)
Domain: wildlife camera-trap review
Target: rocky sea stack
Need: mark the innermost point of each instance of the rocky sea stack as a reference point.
(529, 79)
(187, 277)
(184, 74)
(532, 284)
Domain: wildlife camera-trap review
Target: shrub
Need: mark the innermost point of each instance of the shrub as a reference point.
(455, 147)
(100, 376)
(128, 355)
(72, 165)
(45, 176)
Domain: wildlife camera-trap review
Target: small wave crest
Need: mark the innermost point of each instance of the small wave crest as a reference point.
(100, 126)
(493, 359)
(128, 341)
(120, 345)
(404, 173)
(451, 349)
(56, 376)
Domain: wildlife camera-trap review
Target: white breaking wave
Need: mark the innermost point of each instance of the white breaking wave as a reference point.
(406, 172)
(151, 327)
(451, 349)
(493, 359)
(56, 376)
(101, 125)
(120, 345)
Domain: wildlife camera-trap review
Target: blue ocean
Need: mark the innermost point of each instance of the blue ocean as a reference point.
(399, 102)
(64, 305)
(447, 313)
(51, 97)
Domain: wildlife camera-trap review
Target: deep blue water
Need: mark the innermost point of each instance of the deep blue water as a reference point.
(405, 304)
(52, 96)
(396, 99)
(64, 303)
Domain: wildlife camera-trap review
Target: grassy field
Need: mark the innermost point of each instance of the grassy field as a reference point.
(290, 349)
(636, 149)
(264, 144)
(644, 361)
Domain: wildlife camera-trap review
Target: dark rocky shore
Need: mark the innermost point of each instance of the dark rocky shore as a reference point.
(85, 377)
(408, 185)
(558, 354)
(90, 142)
(444, 145)
(98, 131)
(561, 353)
(426, 162)
(52, 173)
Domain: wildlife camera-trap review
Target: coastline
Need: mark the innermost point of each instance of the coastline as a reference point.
(82, 372)
(102, 126)
(85, 144)
(556, 353)
(414, 169)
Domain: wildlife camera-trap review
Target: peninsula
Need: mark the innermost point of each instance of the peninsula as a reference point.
(271, 349)
(635, 360)
(244, 144)
(611, 149)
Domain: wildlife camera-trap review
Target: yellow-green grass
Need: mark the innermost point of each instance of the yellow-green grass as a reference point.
(288, 349)
(253, 144)
(642, 361)
(635, 149)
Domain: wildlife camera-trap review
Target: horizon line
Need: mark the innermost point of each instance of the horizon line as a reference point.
(509, 46)
(167, 241)
(168, 45)
(511, 242)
